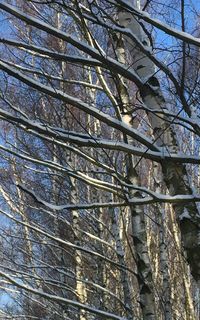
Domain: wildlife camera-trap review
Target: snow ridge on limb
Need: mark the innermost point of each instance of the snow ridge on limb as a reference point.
(62, 300)
(108, 62)
(97, 143)
(46, 53)
(184, 36)
(58, 94)
(38, 229)
(152, 198)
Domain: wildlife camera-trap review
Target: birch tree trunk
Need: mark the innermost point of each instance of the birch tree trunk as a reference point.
(79, 268)
(175, 176)
(145, 279)
(164, 263)
(76, 219)
(121, 258)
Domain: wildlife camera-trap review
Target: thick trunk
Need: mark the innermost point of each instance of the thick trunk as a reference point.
(176, 179)
(189, 304)
(145, 280)
(175, 176)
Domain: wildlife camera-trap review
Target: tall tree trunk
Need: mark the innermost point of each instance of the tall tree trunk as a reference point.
(189, 305)
(76, 218)
(175, 176)
(121, 258)
(79, 267)
(164, 263)
(145, 279)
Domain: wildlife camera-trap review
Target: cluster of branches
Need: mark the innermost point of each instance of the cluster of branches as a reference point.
(99, 161)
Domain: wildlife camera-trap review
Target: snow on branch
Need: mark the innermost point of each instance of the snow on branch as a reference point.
(108, 62)
(153, 198)
(58, 94)
(88, 141)
(55, 298)
(46, 53)
(184, 36)
(69, 244)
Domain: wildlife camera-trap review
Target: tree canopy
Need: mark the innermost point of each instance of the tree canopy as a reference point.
(99, 188)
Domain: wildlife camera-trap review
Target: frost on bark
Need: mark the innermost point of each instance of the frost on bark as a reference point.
(175, 176)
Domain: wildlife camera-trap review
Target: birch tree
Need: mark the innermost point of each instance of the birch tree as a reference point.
(100, 160)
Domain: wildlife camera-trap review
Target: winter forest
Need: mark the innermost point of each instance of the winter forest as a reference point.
(99, 160)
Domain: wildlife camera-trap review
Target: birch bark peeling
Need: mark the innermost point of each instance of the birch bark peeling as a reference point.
(175, 177)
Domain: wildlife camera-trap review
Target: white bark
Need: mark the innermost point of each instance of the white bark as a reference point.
(175, 176)
(139, 235)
